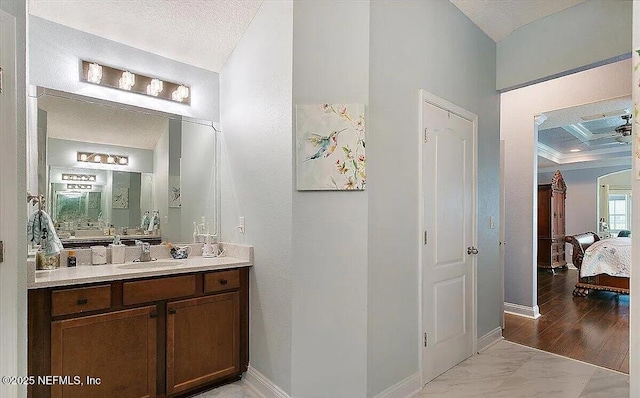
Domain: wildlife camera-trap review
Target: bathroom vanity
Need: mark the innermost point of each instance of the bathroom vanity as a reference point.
(159, 329)
(163, 329)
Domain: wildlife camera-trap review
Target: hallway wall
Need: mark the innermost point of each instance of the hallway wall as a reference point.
(518, 108)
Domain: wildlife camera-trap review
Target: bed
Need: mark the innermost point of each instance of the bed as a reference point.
(602, 264)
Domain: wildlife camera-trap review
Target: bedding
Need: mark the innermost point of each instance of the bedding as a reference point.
(607, 256)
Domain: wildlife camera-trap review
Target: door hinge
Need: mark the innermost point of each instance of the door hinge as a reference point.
(425, 339)
(1, 251)
(426, 134)
(425, 237)
(1, 80)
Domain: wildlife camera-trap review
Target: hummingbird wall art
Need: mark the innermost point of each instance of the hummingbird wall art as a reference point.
(330, 147)
(326, 145)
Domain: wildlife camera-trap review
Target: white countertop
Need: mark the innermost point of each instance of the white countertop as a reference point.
(81, 274)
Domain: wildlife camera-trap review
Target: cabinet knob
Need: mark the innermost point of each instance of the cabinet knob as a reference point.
(82, 301)
(223, 281)
(172, 311)
(153, 315)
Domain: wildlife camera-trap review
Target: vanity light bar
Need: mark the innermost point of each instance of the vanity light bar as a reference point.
(123, 79)
(79, 186)
(78, 177)
(87, 157)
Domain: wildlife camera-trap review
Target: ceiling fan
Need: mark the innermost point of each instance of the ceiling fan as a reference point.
(622, 133)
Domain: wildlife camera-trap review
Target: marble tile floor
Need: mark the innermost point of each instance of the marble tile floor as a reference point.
(233, 390)
(511, 370)
(505, 370)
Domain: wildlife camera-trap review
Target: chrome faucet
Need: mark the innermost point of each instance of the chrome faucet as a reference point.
(145, 251)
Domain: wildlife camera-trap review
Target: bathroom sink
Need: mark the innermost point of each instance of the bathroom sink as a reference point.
(151, 264)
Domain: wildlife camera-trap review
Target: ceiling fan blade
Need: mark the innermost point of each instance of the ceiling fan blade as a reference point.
(604, 137)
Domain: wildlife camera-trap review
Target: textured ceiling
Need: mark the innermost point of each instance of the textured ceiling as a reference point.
(74, 120)
(197, 32)
(573, 115)
(498, 18)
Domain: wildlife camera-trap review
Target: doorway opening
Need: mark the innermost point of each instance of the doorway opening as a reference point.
(582, 295)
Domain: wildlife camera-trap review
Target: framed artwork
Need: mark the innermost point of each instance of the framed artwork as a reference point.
(120, 198)
(330, 147)
(174, 191)
(94, 200)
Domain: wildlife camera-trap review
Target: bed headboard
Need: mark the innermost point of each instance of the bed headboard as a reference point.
(580, 243)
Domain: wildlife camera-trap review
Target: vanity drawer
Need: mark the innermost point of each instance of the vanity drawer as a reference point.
(221, 280)
(84, 299)
(158, 289)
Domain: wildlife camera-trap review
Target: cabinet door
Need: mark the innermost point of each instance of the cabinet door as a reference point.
(119, 348)
(203, 337)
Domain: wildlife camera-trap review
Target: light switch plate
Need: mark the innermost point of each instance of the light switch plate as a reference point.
(492, 223)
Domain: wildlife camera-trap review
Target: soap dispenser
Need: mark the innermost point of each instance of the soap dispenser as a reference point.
(145, 220)
(195, 232)
(154, 224)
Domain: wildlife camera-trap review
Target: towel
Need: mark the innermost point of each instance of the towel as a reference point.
(40, 230)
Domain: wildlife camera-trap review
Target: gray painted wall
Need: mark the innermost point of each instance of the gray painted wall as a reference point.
(411, 48)
(129, 217)
(570, 40)
(170, 231)
(172, 215)
(329, 280)
(257, 178)
(13, 277)
(55, 52)
(197, 178)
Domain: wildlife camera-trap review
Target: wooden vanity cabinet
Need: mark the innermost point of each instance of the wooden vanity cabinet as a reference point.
(202, 340)
(172, 343)
(116, 350)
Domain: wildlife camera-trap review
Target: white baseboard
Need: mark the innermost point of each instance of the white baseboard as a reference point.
(489, 339)
(521, 310)
(407, 388)
(262, 386)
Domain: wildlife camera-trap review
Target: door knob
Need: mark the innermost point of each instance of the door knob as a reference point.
(472, 250)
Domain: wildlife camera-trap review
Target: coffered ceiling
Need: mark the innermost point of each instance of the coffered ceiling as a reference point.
(196, 32)
(585, 136)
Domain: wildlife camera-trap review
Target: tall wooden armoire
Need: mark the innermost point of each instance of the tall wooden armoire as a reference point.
(551, 222)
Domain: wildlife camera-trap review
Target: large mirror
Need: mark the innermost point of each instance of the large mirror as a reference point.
(110, 169)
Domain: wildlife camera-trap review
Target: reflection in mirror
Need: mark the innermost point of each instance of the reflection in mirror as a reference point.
(170, 171)
(614, 204)
(88, 202)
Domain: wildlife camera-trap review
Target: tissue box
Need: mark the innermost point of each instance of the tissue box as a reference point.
(98, 255)
(117, 254)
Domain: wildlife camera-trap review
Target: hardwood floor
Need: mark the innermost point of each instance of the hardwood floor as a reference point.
(594, 329)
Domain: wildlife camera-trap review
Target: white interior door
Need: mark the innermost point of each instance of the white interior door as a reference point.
(448, 191)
